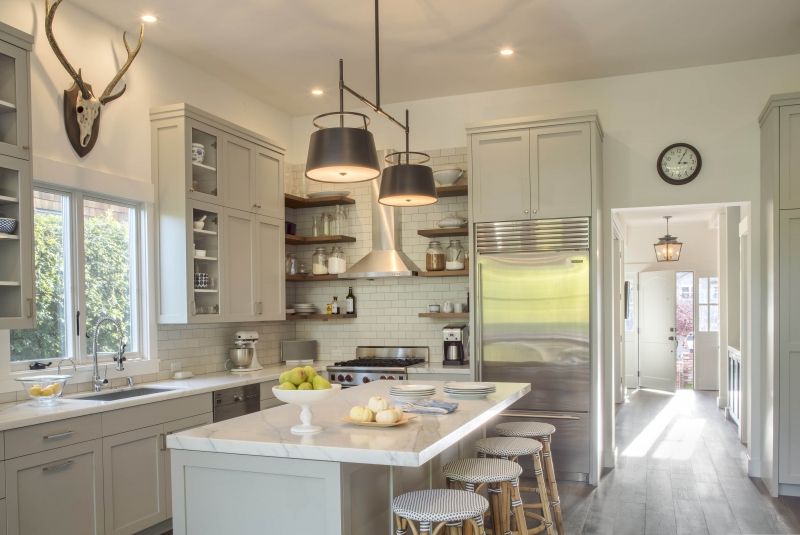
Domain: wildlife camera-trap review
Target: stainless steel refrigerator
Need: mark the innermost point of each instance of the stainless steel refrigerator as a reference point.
(533, 326)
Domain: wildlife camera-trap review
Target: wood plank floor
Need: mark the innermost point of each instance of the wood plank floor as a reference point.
(681, 470)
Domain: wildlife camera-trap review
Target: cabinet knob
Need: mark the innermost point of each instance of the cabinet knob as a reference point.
(255, 206)
(26, 147)
(526, 211)
(191, 190)
(534, 211)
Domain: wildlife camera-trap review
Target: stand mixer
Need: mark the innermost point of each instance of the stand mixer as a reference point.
(247, 340)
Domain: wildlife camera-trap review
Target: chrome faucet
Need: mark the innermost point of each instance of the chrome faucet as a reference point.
(98, 381)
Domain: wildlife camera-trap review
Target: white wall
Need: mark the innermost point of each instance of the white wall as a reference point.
(699, 251)
(156, 78)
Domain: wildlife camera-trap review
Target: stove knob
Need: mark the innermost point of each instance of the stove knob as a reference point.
(384, 377)
(348, 378)
(340, 377)
(390, 377)
(365, 379)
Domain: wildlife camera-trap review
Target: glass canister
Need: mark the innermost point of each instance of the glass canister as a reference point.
(337, 262)
(454, 256)
(326, 222)
(319, 262)
(304, 267)
(434, 257)
(291, 264)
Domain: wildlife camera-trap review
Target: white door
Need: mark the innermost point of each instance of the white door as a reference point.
(631, 333)
(706, 331)
(657, 330)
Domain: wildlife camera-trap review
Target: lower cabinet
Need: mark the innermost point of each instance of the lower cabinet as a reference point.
(56, 491)
(3, 520)
(134, 480)
(176, 427)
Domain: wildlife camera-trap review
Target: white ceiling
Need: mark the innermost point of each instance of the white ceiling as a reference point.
(648, 217)
(278, 50)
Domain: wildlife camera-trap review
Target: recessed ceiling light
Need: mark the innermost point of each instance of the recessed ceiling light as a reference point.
(507, 51)
(149, 18)
(316, 92)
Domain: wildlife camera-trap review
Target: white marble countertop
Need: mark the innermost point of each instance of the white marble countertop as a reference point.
(438, 367)
(267, 433)
(23, 413)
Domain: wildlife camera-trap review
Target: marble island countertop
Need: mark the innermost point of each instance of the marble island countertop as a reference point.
(267, 433)
(23, 413)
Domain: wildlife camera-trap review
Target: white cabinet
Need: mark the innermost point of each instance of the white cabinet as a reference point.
(271, 280)
(203, 181)
(176, 427)
(268, 183)
(239, 173)
(790, 157)
(56, 491)
(134, 480)
(789, 352)
(549, 170)
(15, 93)
(241, 266)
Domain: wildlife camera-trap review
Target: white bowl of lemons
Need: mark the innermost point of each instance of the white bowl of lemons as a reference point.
(304, 387)
(45, 389)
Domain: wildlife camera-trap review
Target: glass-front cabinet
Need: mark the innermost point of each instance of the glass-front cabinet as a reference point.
(14, 100)
(205, 254)
(204, 162)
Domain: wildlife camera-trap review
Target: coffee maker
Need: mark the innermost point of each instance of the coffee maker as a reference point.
(456, 345)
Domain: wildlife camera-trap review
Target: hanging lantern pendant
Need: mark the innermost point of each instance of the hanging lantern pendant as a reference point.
(668, 248)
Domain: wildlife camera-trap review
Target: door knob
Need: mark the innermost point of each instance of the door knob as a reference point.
(671, 338)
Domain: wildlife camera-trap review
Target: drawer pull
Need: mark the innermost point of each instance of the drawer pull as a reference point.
(68, 433)
(163, 441)
(56, 467)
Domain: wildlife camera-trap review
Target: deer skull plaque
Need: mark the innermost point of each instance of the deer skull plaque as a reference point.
(81, 107)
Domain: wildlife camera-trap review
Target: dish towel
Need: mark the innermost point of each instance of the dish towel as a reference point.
(429, 406)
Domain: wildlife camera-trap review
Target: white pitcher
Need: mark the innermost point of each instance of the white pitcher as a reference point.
(448, 307)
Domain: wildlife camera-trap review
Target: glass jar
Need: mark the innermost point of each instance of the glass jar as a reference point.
(326, 222)
(337, 262)
(291, 264)
(319, 262)
(454, 256)
(304, 267)
(434, 257)
(314, 227)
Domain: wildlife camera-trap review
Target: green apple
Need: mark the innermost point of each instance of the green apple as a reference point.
(305, 386)
(297, 376)
(287, 386)
(320, 383)
(284, 377)
(310, 374)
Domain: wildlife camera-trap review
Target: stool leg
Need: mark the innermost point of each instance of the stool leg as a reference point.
(425, 528)
(537, 468)
(516, 507)
(555, 501)
(496, 506)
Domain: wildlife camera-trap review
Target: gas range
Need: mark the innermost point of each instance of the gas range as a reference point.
(373, 363)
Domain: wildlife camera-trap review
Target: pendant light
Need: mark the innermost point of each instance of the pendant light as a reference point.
(668, 248)
(347, 154)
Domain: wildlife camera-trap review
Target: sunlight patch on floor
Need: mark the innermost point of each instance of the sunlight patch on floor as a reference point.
(686, 431)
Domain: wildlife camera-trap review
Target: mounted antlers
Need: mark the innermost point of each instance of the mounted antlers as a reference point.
(87, 106)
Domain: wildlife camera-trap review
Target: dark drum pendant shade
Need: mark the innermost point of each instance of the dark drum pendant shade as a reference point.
(408, 185)
(342, 154)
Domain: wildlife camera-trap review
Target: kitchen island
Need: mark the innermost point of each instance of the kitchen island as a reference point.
(253, 475)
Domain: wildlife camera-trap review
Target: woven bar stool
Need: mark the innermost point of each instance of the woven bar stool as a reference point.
(543, 433)
(511, 448)
(439, 509)
(500, 476)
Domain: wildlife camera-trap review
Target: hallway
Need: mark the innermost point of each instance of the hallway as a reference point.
(681, 469)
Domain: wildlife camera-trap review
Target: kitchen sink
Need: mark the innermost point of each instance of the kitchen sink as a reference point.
(124, 394)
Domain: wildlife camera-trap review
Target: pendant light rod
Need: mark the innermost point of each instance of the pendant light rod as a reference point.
(378, 60)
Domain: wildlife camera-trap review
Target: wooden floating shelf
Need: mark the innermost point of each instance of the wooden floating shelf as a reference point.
(311, 278)
(452, 191)
(459, 273)
(320, 316)
(293, 201)
(8, 237)
(205, 232)
(291, 239)
(445, 315)
(204, 167)
(8, 200)
(442, 232)
(9, 283)
(7, 107)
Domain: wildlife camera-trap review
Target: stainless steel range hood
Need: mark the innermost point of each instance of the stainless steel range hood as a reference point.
(387, 258)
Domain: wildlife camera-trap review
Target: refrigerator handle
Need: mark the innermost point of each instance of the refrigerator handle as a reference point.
(539, 416)
(479, 322)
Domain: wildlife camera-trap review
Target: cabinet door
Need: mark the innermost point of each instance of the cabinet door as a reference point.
(204, 181)
(134, 480)
(561, 171)
(268, 184)
(15, 116)
(56, 491)
(790, 158)
(270, 244)
(204, 270)
(176, 427)
(501, 181)
(789, 329)
(17, 306)
(240, 260)
(239, 173)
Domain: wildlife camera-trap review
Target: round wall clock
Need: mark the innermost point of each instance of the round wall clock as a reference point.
(679, 164)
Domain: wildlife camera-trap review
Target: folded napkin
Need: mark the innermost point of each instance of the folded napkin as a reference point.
(429, 406)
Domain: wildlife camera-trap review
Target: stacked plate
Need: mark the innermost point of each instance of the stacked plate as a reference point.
(469, 390)
(304, 308)
(411, 392)
(329, 193)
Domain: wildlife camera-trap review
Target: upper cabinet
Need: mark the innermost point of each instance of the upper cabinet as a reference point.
(790, 157)
(15, 94)
(220, 204)
(535, 168)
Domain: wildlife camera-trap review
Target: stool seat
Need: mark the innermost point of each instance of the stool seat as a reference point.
(525, 429)
(508, 446)
(482, 470)
(439, 505)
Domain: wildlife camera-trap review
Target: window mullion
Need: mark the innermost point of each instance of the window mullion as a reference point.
(81, 342)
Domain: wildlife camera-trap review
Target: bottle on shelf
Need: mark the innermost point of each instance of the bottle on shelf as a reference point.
(314, 227)
(326, 223)
(350, 301)
(335, 305)
(328, 308)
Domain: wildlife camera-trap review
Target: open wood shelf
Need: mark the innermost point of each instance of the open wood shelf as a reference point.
(445, 315)
(311, 278)
(293, 201)
(8, 200)
(452, 191)
(443, 232)
(458, 273)
(320, 316)
(291, 239)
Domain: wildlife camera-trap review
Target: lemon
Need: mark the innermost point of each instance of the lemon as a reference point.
(56, 388)
(47, 391)
(35, 390)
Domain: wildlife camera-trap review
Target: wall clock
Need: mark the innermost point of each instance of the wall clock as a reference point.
(679, 164)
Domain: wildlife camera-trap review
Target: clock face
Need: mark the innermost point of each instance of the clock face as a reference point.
(679, 164)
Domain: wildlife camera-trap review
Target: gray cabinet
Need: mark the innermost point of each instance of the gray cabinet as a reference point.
(17, 292)
(500, 176)
(271, 283)
(203, 177)
(239, 173)
(15, 93)
(789, 347)
(240, 258)
(790, 157)
(268, 183)
(56, 491)
(176, 427)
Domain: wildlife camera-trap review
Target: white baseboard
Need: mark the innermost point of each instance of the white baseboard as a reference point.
(610, 458)
(785, 489)
(753, 468)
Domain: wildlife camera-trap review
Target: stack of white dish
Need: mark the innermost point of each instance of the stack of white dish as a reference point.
(304, 308)
(411, 392)
(469, 390)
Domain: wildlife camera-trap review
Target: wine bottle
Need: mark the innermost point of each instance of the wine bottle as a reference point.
(351, 302)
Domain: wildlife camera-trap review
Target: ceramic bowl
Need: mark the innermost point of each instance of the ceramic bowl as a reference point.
(452, 221)
(198, 152)
(198, 225)
(200, 253)
(306, 399)
(447, 177)
(7, 225)
(433, 309)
